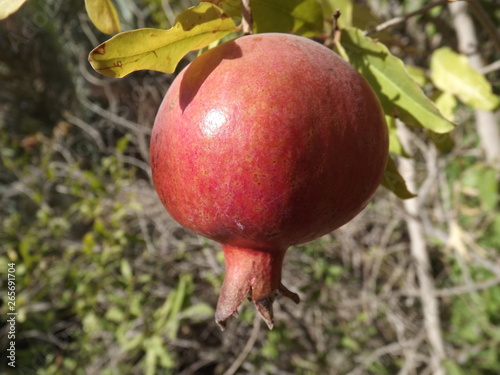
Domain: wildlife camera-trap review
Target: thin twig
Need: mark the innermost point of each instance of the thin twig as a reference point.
(397, 20)
(246, 13)
(334, 36)
(494, 66)
(393, 348)
(168, 11)
(91, 131)
(247, 348)
(335, 26)
(110, 116)
(420, 256)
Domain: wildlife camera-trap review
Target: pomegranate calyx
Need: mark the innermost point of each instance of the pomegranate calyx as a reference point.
(257, 272)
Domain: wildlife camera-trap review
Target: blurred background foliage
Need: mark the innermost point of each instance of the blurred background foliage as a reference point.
(108, 283)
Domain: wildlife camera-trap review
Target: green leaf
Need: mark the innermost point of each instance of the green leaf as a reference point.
(394, 181)
(151, 357)
(126, 270)
(122, 144)
(198, 312)
(350, 344)
(161, 50)
(156, 352)
(444, 142)
(129, 343)
(114, 314)
(484, 179)
(8, 7)
(398, 93)
(452, 73)
(103, 15)
(395, 146)
(300, 17)
(418, 74)
(452, 368)
(446, 103)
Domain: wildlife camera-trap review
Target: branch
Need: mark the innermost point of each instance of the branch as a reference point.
(397, 20)
(486, 21)
(247, 348)
(494, 66)
(246, 13)
(334, 36)
(421, 260)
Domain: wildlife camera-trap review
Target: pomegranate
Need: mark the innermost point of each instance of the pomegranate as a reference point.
(264, 142)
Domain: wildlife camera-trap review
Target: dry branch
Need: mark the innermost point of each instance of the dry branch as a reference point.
(419, 253)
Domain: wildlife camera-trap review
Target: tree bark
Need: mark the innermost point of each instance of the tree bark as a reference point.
(420, 255)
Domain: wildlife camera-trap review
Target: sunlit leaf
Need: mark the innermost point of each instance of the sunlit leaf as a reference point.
(418, 74)
(394, 181)
(198, 312)
(452, 73)
(8, 7)
(156, 352)
(350, 344)
(103, 15)
(300, 17)
(395, 146)
(340, 50)
(446, 103)
(161, 50)
(398, 93)
(115, 314)
(126, 270)
(162, 314)
(129, 343)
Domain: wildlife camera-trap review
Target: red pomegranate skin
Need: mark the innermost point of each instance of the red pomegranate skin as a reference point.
(263, 142)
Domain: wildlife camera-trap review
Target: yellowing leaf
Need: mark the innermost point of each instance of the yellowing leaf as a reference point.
(103, 15)
(231, 7)
(300, 17)
(452, 73)
(394, 181)
(161, 50)
(8, 7)
(398, 93)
